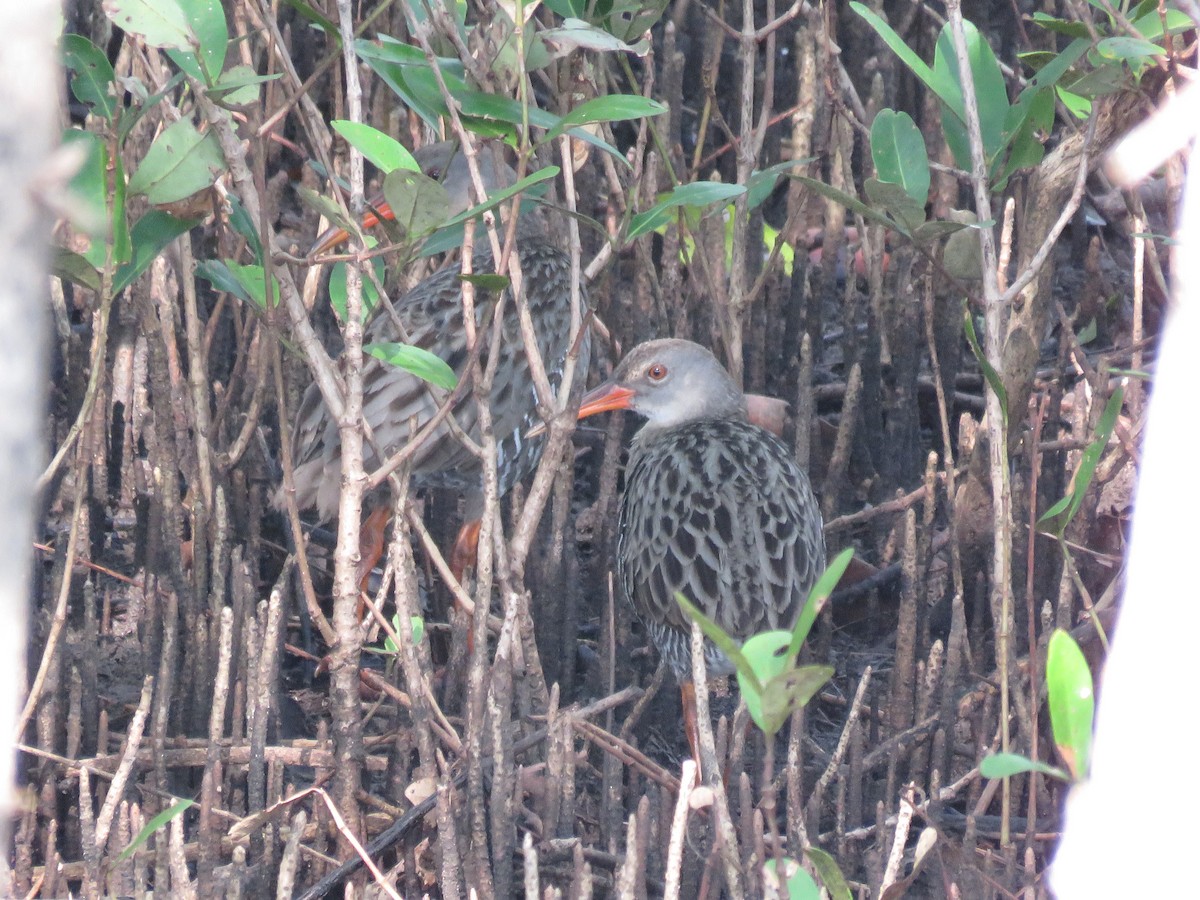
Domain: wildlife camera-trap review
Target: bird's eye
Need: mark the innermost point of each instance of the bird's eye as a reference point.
(435, 173)
(656, 372)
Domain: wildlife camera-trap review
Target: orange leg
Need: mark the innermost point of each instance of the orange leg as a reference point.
(466, 548)
(464, 554)
(372, 539)
(690, 723)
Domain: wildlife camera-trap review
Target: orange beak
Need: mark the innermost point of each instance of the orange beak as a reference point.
(335, 237)
(600, 399)
(605, 398)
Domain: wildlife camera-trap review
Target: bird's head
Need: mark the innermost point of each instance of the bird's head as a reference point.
(670, 382)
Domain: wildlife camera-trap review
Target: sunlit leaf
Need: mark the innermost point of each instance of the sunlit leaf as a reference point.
(817, 597)
(898, 151)
(384, 151)
(1072, 701)
(1066, 508)
(172, 812)
(1005, 765)
(94, 79)
(416, 361)
(989, 371)
(179, 163)
(697, 194)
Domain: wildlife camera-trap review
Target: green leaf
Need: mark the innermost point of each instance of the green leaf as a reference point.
(991, 94)
(97, 206)
(939, 82)
(1072, 702)
(852, 203)
(1005, 765)
(160, 23)
(1078, 105)
(238, 86)
(898, 150)
(324, 206)
(204, 58)
(761, 183)
(247, 283)
(830, 873)
(419, 203)
(418, 632)
(384, 151)
(1061, 26)
(766, 657)
(370, 296)
(497, 197)
(611, 108)
(796, 884)
(575, 34)
(989, 372)
(240, 221)
(179, 163)
(721, 640)
(788, 692)
(150, 236)
(928, 232)
(568, 8)
(94, 78)
(1150, 26)
(74, 268)
(896, 203)
(1066, 508)
(172, 812)
(416, 361)
(487, 281)
(1128, 49)
(697, 194)
(88, 210)
(406, 71)
(820, 593)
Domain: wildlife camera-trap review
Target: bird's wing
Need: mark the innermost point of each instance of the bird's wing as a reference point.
(725, 518)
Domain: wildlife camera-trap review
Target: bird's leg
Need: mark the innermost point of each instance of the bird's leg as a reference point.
(466, 548)
(465, 553)
(372, 540)
(691, 727)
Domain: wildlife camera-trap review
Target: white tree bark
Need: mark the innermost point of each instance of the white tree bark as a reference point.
(29, 101)
(1131, 830)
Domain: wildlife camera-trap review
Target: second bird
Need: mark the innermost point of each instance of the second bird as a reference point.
(395, 401)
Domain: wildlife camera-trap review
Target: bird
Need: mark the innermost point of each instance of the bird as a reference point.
(714, 507)
(397, 403)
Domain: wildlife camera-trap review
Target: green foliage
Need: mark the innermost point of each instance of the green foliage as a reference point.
(370, 296)
(94, 77)
(180, 163)
(797, 883)
(389, 644)
(246, 282)
(1072, 702)
(1059, 516)
(1072, 705)
(382, 150)
(419, 203)
(416, 360)
(772, 684)
(989, 371)
(697, 194)
(830, 872)
(898, 151)
(164, 818)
